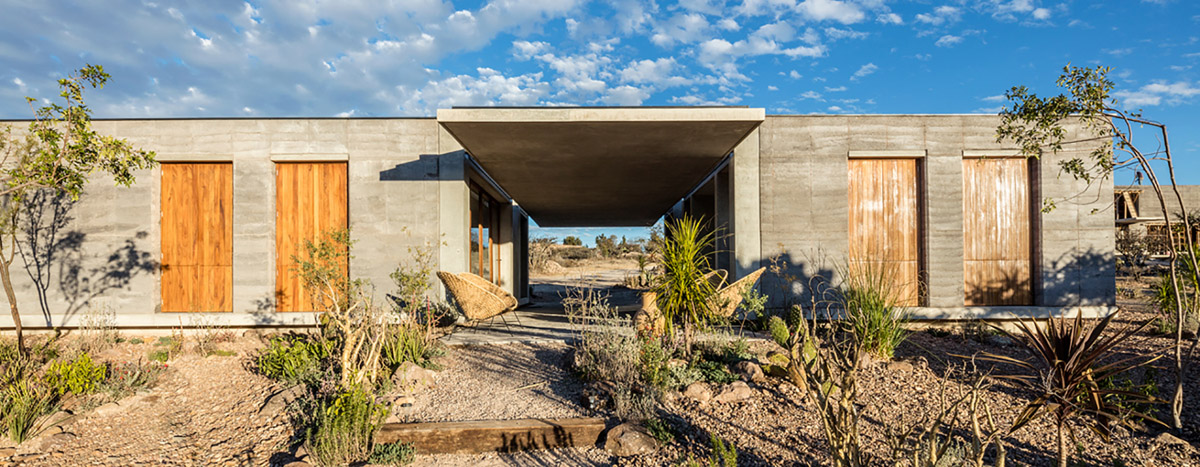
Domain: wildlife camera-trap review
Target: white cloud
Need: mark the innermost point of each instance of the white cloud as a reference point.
(795, 74)
(487, 87)
(681, 28)
(653, 72)
(1157, 93)
(948, 41)
(1119, 52)
(996, 98)
(835, 10)
(835, 34)
(728, 24)
(834, 109)
(941, 15)
(1041, 14)
(890, 18)
(626, 95)
(837, 89)
(20, 84)
(772, 88)
(864, 71)
(524, 50)
(811, 95)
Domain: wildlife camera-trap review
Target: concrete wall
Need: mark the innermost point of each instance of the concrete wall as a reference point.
(805, 213)
(394, 202)
(1148, 205)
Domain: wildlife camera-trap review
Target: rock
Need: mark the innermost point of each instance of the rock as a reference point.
(107, 409)
(628, 439)
(412, 378)
(899, 366)
(733, 392)
(252, 334)
(1168, 439)
(597, 395)
(56, 439)
(280, 400)
(749, 371)
(999, 339)
(7, 452)
(699, 392)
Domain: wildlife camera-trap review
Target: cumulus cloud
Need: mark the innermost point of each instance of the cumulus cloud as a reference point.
(948, 41)
(941, 15)
(890, 18)
(831, 10)
(1158, 93)
(487, 87)
(864, 71)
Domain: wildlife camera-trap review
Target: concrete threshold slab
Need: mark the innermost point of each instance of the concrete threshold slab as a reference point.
(480, 436)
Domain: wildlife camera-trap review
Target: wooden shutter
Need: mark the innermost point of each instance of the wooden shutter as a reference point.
(310, 200)
(997, 241)
(885, 223)
(197, 237)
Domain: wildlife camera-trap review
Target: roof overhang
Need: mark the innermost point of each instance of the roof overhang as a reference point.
(599, 166)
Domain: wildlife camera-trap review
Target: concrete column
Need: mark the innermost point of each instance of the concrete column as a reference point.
(746, 226)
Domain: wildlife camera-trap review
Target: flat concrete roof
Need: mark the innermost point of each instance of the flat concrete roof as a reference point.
(599, 166)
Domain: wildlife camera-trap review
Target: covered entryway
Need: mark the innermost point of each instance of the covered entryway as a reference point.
(597, 167)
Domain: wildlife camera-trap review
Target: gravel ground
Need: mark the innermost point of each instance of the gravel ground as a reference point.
(203, 411)
(500, 382)
(775, 427)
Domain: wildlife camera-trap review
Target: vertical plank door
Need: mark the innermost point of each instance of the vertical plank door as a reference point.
(310, 200)
(197, 237)
(885, 224)
(997, 237)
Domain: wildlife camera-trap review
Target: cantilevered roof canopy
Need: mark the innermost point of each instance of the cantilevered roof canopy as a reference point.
(599, 166)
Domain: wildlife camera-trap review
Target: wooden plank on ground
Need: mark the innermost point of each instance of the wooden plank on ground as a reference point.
(481, 436)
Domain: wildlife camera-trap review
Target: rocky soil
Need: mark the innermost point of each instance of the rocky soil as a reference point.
(203, 411)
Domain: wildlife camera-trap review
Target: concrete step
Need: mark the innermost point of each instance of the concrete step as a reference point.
(480, 436)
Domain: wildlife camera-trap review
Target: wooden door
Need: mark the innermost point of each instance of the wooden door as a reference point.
(197, 237)
(997, 240)
(885, 227)
(310, 201)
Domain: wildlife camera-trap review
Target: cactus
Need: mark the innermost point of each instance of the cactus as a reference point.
(780, 332)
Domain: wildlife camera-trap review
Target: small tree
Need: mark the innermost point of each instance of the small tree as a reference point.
(571, 240)
(61, 151)
(684, 292)
(1039, 124)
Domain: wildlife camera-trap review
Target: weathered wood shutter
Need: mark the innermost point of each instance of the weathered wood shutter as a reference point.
(310, 200)
(885, 227)
(997, 240)
(197, 237)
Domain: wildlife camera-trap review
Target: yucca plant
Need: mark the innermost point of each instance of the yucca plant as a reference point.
(871, 298)
(685, 295)
(1071, 360)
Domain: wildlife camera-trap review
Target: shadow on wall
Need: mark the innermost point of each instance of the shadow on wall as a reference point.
(1081, 278)
(790, 281)
(425, 167)
(46, 247)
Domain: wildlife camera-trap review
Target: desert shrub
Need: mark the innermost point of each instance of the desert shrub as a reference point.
(685, 295)
(343, 428)
(541, 253)
(715, 372)
(607, 349)
(409, 343)
(98, 329)
(1164, 297)
(392, 454)
(724, 454)
(293, 359)
(159, 355)
(660, 430)
(79, 376)
(25, 403)
(126, 378)
(870, 298)
(680, 376)
(571, 240)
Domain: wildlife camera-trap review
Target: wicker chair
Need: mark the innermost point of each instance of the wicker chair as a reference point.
(478, 298)
(727, 300)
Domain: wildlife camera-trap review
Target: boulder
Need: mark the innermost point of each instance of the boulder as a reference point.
(412, 378)
(699, 391)
(899, 366)
(275, 403)
(734, 392)
(628, 439)
(1170, 439)
(749, 371)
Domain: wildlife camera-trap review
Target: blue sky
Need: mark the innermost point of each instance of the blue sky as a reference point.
(410, 57)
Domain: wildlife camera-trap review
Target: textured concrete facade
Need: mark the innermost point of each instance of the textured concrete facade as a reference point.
(803, 163)
(783, 194)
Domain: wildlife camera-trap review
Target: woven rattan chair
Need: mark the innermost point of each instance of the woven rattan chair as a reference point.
(476, 297)
(727, 300)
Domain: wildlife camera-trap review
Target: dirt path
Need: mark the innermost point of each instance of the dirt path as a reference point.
(204, 411)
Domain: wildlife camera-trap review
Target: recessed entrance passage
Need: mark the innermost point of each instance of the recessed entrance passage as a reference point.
(310, 200)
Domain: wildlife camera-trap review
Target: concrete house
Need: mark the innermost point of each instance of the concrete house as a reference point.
(207, 237)
(1138, 210)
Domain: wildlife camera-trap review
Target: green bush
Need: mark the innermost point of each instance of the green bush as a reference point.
(660, 430)
(125, 379)
(653, 362)
(870, 297)
(343, 429)
(79, 376)
(22, 406)
(293, 359)
(159, 355)
(406, 344)
(715, 372)
(393, 454)
(724, 453)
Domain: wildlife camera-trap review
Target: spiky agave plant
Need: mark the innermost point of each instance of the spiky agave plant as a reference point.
(683, 290)
(1071, 359)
